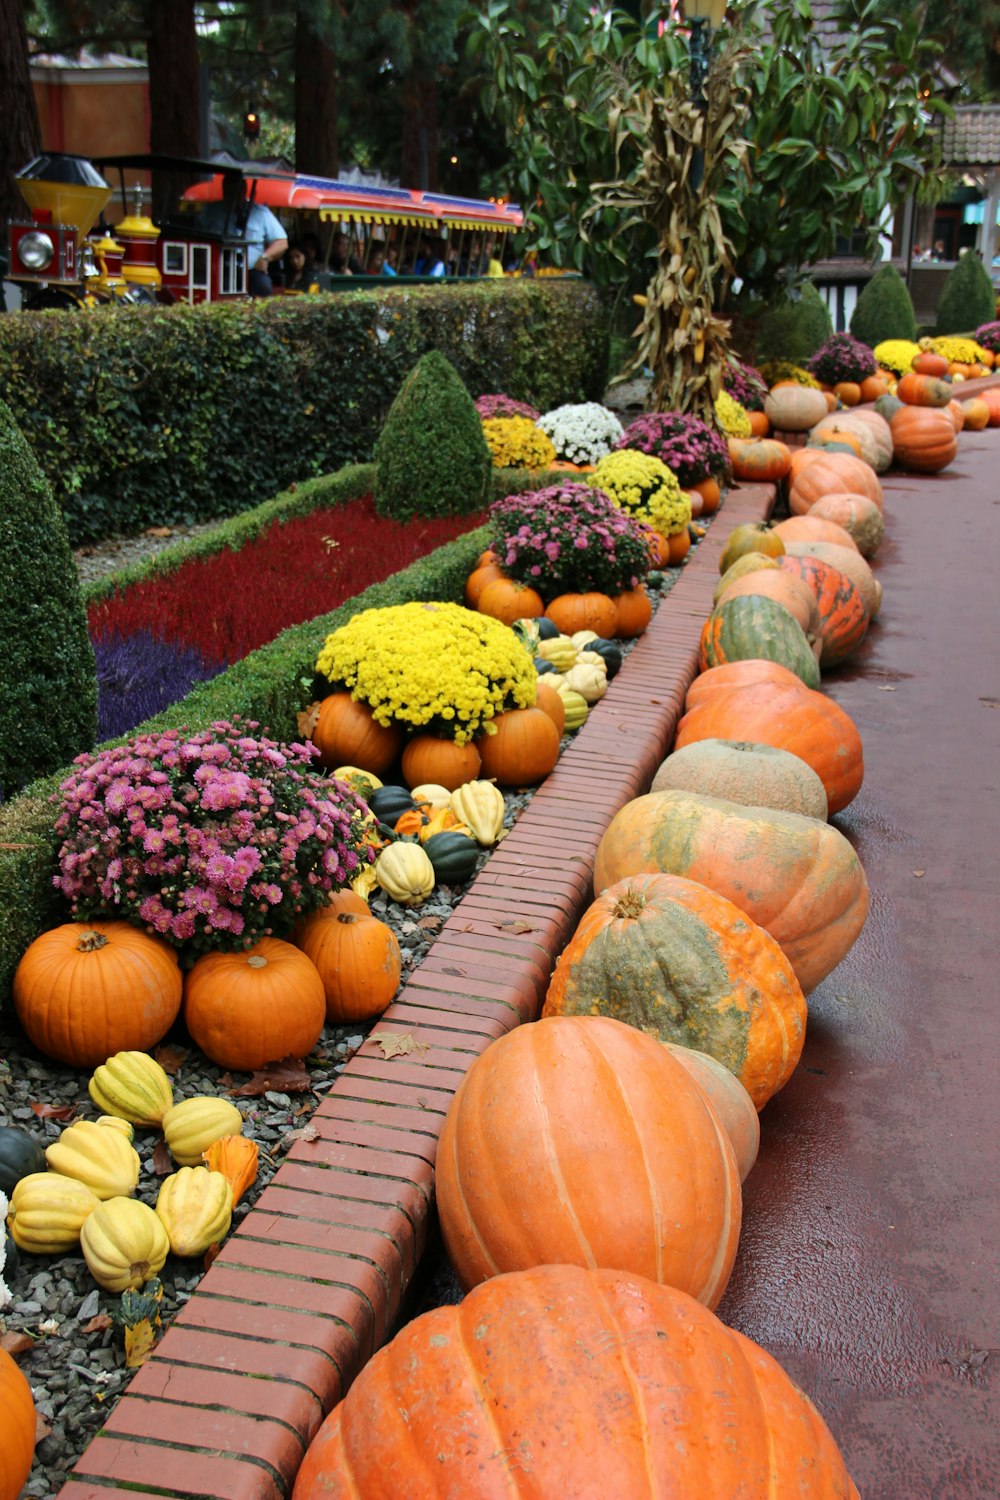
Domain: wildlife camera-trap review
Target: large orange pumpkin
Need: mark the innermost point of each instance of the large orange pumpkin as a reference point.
(924, 438)
(794, 408)
(759, 460)
(813, 528)
(505, 600)
(846, 560)
(843, 618)
(734, 674)
(347, 733)
(823, 473)
(923, 390)
(976, 414)
(858, 516)
(86, 990)
(17, 1450)
(358, 959)
(867, 419)
(730, 1101)
(523, 748)
(807, 723)
(633, 612)
(429, 758)
(477, 580)
(563, 1382)
(581, 1141)
(797, 877)
(756, 775)
(253, 1007)
(929, 363)
(593, 611)
(678, 960)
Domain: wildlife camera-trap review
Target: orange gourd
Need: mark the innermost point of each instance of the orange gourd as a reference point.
(923, 390)
(976, 414)
(924, 439)
(730, 1101)
(443, 820)
(760, 425)
(795, 876)
(478, 579)
(593, 611)
(581, 1141)
(843, 617)
(17, 1450)
(711, 496)
(849, 392)
(929, 363)
(410, 822)
(236, 1158)
(857, 515)
(759, 460)
(813, 528)
(633, 612)
(807, 723)
(358, 959)
(430, 758)
(739, 674)
(86, 990)
(249, 1008)
(677, 960)
(817, 473)
(678, 547)
(549, 701)
(562, 1382)
(505, 600)
(347, 733)
(522, 750)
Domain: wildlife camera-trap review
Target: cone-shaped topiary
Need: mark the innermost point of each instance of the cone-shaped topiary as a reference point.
(48, 684)
(794, 330)
(884, 310)
(967, 298)
(431, 454)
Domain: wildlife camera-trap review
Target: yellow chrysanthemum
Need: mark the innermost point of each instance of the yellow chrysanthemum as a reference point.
(956, 350)
(645, 488)
(896, 355)
(517, 443)
(732, 417)
(774, 370)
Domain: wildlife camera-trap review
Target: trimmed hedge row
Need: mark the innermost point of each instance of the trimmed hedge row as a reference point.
(142, 416)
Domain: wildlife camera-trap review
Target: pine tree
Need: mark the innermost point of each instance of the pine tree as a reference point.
(967, 298)
(884, 310)
(431, 454)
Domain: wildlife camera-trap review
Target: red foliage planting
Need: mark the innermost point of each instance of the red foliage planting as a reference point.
(229, 604)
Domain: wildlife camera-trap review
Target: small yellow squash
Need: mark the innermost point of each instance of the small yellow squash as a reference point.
(47, 1212)
(134, 1086)
(588, 681)
(115, 1122)
(576, 706)
(480, 806)
(124, 1244)
(195, 1207)
(191, 1126)
(102, 1159)
(430, 795)
(405, 873)
(560, 651)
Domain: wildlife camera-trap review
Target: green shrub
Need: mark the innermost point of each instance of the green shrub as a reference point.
(884, 310)
(158, 416)
(48, 683)
(793, 330)
(431, 456)
(967, 297)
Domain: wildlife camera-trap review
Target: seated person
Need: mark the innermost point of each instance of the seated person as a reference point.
(430, 258)
(378, 264)
(265, 238)
(300, 270)
(342, 262)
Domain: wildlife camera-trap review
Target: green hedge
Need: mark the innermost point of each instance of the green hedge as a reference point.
(142, 416)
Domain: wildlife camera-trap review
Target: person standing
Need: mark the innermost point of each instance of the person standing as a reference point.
(263, 234)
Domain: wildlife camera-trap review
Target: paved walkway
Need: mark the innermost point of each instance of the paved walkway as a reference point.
(868, 1263)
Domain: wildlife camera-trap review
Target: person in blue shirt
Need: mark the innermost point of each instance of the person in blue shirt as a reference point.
(265, 237)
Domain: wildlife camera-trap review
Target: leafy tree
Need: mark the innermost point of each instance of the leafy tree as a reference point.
(967, 298)
(967, 34)
(884, 310)
(20, 134)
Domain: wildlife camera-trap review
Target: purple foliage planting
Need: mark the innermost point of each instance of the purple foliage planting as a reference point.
(987, 336)
(842, 358)
(139, 676)
(489, 407)
(745, 384)
(687, 445)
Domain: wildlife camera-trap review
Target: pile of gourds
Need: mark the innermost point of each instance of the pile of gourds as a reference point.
(489, 590)
(79, 1191)
(434, 836)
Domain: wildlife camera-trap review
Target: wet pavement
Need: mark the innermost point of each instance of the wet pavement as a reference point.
(869, 1262)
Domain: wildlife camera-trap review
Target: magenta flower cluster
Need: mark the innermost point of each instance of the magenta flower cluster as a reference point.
(745, 384)
(568, 539)
(213, 840)
(688, 446)
(489, 407)
(987, 336)
(842, 358)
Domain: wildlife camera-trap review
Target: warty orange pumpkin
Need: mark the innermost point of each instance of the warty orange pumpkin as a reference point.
(678, 960)
(797, 877)
(601, 1150)
(755, 775)
(858, 516)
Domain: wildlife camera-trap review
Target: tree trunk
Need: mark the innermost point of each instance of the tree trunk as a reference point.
(20, 132)
(420, 132)
(316, 146)
(173, 78)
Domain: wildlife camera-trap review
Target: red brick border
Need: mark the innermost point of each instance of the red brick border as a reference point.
(311, 1282)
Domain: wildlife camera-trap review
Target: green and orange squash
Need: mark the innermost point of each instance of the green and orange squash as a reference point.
(753, 627)
(843, 618)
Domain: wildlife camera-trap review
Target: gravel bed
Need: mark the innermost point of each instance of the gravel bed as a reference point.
(96, 559)
(75, 1362)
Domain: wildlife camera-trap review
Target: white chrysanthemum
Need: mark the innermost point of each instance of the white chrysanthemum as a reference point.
(582, 433)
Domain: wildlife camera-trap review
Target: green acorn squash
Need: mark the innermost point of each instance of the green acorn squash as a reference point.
(610, 652)
(547, 629)
(453, 855)
(753, 627)
(389, 803)
(20, 1155)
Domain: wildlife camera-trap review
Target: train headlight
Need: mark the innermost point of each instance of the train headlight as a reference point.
(35, 251)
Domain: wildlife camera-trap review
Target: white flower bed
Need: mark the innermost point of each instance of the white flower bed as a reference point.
(583, 433)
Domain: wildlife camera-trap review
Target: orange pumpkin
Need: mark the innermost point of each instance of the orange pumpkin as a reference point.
(489, 556)
(679, 961)
(17, 1451)
(956, 411)
(857, 515)
(358, 959)
(711, 495)
(86, 990)
(478, 579)
(633, 612)
(347, 733)
(595, 1140)
(873, 429)
(523, 748)
(843, 618)
(347, 900)
(924, 439)
(816, 473)
(795, 876)
(759, 460)
(739, 674)
(795, 408)
(236, 1157)
(849, 392)
(991, 396)
(755, 775)
(249, 1008)
(593, 611)
(837, 440)
(807, 723)
(614, 1387)
(505, 600)
(730, 1101)
(659, 550)
(430, 758)
(678, 547)
(874, 386)
(549, 701)
(813, 528)
(760, 425)
(929, 363)
(976, 414)
(923, 390)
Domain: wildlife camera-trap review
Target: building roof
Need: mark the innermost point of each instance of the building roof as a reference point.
(972, 138)
(85, 62)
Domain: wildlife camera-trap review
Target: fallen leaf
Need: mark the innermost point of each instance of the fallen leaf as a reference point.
(990, 702)
(210, 1254)
(139, 1343)
(884, 687)
(42, 1428)
(162, 1164)
(429, 924)
(288, 1076)
(170, 1057)
(454, 970)
(515, 925)
(159, 531)
(16, 1343)
(307, 720)
(97, 1325)
(54, 1111)
(919, 873)
(304, 1133)
(397, 1043)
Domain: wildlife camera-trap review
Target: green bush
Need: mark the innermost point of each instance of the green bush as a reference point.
(48, 683)
(793, 330)
(431, 456)
(884, 310)
(143, 416)
(967, 297)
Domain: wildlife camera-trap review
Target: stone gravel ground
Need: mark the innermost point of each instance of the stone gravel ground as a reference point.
(75, 1361)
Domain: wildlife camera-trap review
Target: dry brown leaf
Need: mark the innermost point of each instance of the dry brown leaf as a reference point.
(516, 925)
(304, 1133)
(429, 924)
(139, 1343)
(42, 1428)
(16, 1343)
(97, 1324)
(397, 1043)
(288, 1076)
(307, 720)
(170, 1057)
(210, 1254)
(884, 687)
(54, 1111)
(162, 1164)
(920, 874)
